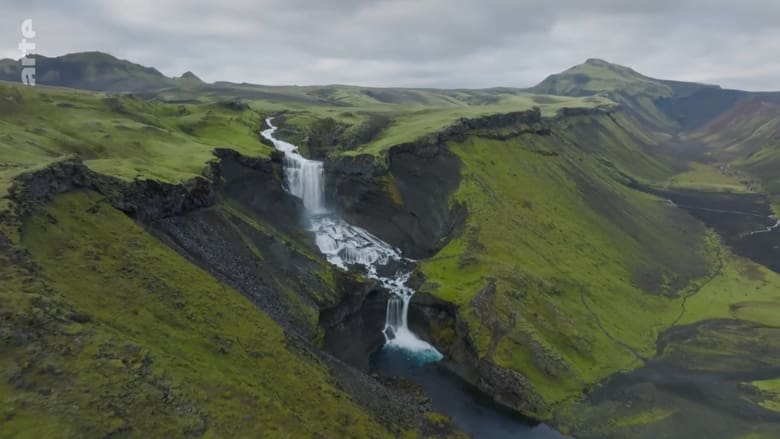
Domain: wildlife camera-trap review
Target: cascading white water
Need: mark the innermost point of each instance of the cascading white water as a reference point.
(344, 244)
(304, 180)
(304, 177)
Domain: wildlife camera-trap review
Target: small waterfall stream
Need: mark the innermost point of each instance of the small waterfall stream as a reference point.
(344, 245)
(771, 228)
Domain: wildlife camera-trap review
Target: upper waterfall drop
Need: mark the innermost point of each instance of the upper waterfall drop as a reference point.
(344, 244)
(305, 178)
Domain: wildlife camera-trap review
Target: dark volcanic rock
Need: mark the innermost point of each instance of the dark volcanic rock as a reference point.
(407, 204)
(141, 199)
(395, 404)
(506, 387)
(257, 185)
(406, 201)
(433, 319)
(358, 334)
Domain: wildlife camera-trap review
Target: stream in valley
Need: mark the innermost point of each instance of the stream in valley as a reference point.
(744, 220)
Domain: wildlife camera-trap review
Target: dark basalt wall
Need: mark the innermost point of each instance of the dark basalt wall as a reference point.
(406, 205)
(407, 201)
(437, 321)
(141, 199)
(353, 329)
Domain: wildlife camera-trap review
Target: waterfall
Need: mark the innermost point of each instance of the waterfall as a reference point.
(344, 245)
(304, 178)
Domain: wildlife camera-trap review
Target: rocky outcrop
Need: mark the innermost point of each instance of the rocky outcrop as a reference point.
(257, 185)
(353, 328)
(583, 111)
(140, 198)
(433, 319)
(406, 200)
(438, 321)
(504, 386)
(405, 204)
(523, 121)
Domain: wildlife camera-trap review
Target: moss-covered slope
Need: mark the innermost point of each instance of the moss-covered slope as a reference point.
(119, 135)
(108, 331)
(565, 275)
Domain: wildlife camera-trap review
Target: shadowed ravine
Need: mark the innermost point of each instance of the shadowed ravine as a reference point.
(404, 354)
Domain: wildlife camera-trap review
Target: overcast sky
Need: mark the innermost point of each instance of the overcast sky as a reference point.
(423, 43)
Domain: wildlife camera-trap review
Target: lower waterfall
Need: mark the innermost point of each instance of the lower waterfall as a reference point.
(345, 245)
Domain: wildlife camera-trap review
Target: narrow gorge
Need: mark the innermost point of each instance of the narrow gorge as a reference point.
(403, 354)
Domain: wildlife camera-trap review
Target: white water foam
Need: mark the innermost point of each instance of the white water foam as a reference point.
(344, 245)
(304, 177)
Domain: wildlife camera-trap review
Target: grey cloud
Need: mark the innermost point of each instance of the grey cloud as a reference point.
(429, 43)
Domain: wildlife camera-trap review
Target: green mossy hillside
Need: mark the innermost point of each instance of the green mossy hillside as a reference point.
(374, 129)
(119, 135)
(588, 272)
(108, 332)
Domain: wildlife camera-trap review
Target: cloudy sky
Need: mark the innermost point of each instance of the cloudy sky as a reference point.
(427, 43)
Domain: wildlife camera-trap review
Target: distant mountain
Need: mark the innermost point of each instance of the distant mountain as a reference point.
(9, 68)
(95, 71)
(655, 100)
(737, 127)
(667, 105)
(189, 76)
(597, 76)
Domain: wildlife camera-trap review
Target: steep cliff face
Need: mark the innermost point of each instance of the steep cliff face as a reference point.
(390, 202)
(407, 201)
(142, 199)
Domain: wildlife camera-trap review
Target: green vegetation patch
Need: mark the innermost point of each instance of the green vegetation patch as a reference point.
(108, 331)
(709, 177)
(770, 391)
(118, 135)
(587, 272)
